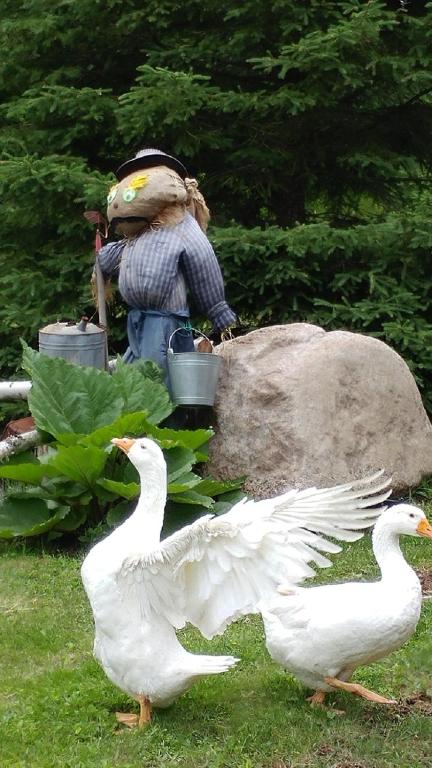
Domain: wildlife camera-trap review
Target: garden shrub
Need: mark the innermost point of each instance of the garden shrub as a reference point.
(81, 480)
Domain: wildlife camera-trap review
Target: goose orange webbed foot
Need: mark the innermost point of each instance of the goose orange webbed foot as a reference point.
(137, 721)
(317, 701)
(358, 690)
(127, 718)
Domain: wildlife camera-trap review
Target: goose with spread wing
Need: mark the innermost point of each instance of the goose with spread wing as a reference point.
(322, 634)
(209, 573)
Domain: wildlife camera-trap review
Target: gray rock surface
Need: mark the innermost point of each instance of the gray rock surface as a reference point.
(299, 406)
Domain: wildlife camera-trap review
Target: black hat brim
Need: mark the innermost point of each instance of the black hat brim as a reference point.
(150, 161)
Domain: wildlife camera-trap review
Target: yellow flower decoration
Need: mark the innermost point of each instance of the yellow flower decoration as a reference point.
(138, 182)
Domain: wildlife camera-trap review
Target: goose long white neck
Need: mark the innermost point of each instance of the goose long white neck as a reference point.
(149, 512)
(388, 554)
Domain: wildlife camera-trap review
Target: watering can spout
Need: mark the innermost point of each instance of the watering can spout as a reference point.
(82, 325)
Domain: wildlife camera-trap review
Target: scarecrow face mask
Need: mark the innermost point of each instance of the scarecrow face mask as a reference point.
(138, 198)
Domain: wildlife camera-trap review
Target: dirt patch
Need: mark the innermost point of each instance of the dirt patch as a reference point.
(324, 749)
(417, 701)
(328, 750)
(425, 576)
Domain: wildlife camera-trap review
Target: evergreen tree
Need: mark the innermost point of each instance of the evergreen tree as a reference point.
(308, 124)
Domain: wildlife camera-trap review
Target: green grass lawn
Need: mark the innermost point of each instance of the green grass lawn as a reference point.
(57, 707)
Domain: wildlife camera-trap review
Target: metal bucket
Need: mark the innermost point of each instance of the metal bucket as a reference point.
(193, 376)
(82, 343)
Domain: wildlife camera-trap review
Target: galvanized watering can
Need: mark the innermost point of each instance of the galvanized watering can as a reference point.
(82, 343)
(193, 376)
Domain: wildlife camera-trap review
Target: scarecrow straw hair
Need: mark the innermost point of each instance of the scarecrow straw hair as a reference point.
(196, 204)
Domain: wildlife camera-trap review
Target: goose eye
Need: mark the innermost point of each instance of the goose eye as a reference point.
(411, 514)
(128, 195)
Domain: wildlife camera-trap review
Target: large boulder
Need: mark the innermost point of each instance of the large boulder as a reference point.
(299, 406)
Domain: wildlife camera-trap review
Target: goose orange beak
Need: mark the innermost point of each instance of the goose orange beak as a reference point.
(124, 443)
(424, 528)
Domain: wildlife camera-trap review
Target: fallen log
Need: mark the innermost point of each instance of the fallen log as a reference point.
(18, 443)
(14, 390)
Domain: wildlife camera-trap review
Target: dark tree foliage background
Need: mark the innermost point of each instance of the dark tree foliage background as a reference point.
(307, 123)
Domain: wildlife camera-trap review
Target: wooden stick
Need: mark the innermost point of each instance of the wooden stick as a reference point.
(100, 289)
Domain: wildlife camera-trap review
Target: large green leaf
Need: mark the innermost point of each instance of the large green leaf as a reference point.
(191, 497)
(142, 394)
(70, 438)
(68, 398)
(28, 517)
(59, 492)
(73, 520)
(179, 461)
(118, 513)
(27, 473)
(61, 487)
(149, 369)
(177, 515)
(118, 467)
(187, 438)
(210, 487)
(227, 500)
(184, 482)
(126, 490)
(25, 457)
(130, 425)
(80, 463)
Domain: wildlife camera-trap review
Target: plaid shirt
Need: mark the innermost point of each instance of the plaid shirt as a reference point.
(155, 269)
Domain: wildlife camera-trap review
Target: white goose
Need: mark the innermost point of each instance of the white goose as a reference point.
(322, 634)
(209, 573)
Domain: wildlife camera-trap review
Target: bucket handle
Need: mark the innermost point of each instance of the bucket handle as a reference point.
(182, 329)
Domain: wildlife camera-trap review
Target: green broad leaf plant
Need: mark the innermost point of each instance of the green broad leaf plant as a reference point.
(78, 482)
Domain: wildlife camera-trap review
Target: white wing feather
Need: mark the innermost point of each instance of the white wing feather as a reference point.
(219, 568)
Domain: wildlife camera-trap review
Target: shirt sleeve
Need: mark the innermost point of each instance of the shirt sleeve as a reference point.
(109, 257)
(204, 277)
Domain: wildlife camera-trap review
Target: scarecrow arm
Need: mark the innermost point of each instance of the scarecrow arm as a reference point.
(204, 279)
(109, 257)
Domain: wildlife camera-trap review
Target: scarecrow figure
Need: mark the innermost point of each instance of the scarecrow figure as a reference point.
(163, 255)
